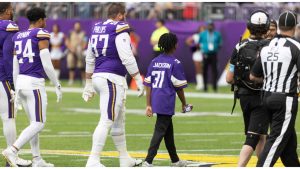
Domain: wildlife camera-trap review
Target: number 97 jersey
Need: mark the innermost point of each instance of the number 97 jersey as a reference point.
(102, 45)
(165, 76)
(26, 45)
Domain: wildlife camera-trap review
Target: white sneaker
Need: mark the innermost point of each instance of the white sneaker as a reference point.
(130, 162)
(10, 157)
(146, 164)
(180, 163)
(23, 163)
(41, 163)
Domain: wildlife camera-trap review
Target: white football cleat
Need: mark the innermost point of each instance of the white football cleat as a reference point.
(146, 164)
(93, 163)
(23, 163)
(41, 163)
(130, 162)
(180, 163)
(10, 157)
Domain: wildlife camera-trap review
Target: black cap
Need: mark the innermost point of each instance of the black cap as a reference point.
(288, 19)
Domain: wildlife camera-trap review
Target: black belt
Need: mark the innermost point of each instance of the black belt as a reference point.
(279, 93)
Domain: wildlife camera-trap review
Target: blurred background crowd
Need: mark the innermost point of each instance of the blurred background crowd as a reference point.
(162, 10)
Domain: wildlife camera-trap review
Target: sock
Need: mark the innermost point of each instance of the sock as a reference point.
(9, 131)
(99, 139)
(120, 144)
(57, 73)
(199, 80)
(28, 133)
(35, 147)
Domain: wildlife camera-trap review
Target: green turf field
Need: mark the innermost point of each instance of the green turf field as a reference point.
(67, 137)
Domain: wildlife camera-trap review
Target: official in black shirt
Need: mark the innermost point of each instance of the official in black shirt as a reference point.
(277, 67)
(249, 93)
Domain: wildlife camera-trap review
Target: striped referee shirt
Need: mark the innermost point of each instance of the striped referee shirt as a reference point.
(279, 63)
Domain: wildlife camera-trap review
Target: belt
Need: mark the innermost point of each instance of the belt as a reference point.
(279, 93)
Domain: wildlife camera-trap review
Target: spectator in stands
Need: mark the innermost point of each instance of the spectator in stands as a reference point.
(160, 30)
(272, 29)
(190, 10)
(297, 33)
(76, 44)
(56, 41)
(210, 43)
(192, 42)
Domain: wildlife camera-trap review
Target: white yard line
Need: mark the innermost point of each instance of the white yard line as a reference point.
(142, 111)
(134, 93)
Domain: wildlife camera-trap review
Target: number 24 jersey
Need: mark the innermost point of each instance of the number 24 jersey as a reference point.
(26, 45)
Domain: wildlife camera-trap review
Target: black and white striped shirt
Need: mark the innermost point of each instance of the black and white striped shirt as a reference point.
(279, 64)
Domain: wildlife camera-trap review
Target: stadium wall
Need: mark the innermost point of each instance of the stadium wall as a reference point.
(231, 32)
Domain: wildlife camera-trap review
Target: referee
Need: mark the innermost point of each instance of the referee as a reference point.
(279, 64)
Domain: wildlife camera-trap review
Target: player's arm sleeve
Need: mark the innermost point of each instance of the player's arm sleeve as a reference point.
(48, 67)
(16, 69)
(8, 48)
(178, 77)
(233, 60)
(90, 59)
(124, 49)
(147, 80)
(257, 69)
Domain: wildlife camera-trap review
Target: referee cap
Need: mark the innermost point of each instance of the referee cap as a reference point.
(288, 19)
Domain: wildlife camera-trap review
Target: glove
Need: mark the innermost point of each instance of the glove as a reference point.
(187, 108)
(88, 91)
(13, 96)
(139, 82)
(58, 93)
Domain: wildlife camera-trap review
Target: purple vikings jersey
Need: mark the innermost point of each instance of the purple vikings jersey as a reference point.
(7, 30)
(165, 76)
(103, 45)
(28, 52)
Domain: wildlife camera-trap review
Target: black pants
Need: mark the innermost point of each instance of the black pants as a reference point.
(255, 118)
(282, 141)
(210, 59)
(163, 129)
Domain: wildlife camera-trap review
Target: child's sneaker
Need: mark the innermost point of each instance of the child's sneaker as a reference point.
(180, 163)
(146, 164)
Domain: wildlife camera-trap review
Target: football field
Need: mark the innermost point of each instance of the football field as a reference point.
(208, 135)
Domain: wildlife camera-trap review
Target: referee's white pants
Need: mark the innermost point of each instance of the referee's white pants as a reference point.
(112, 105)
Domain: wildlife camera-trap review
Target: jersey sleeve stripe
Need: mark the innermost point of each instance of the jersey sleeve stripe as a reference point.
(121, 29)
(43, 36)
(181, 84)
(12, 29)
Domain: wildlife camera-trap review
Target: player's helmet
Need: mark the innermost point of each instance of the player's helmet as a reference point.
(258, 22)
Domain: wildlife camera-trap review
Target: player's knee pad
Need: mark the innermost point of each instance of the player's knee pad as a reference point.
(252, 140)
(105, 123)
(38, 126)
(117, 131)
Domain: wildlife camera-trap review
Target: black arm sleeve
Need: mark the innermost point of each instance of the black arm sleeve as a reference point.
(233, 58)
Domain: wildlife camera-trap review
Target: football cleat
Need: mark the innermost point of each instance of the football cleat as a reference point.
(180, 163)
(10, 157)
(23, 163)
(130, 162)
(146, 164)
(41, 163)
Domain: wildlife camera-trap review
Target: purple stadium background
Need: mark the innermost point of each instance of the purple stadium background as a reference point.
(231, 32)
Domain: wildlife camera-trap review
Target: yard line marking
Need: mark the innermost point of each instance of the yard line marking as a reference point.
(142, 112)
(216, 160)
(135, 93)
